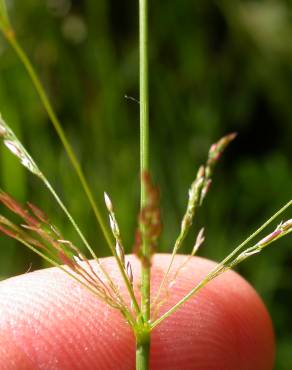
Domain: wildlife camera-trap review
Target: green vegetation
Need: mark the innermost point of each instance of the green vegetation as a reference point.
(214, 69)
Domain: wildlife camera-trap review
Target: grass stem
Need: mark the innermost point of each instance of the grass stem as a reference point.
(143, 341)
(142, 350)
(144, 150)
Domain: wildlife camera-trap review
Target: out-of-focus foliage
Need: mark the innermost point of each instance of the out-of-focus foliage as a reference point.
(216, 67)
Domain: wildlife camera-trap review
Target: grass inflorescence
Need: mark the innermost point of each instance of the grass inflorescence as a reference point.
(36, 231)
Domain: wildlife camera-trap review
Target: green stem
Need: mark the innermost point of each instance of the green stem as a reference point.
(142, 351)
(143, 339)
(214, 272)
(144, 150)
(9, 34)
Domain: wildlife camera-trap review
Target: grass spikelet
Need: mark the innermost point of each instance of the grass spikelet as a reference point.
(197, 194)
(119, 254)
(129, 272)
(15, 147)
(38, 231)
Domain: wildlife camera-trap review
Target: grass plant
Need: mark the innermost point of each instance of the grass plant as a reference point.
(36, 231)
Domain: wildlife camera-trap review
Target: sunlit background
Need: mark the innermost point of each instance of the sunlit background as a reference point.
(216, 67)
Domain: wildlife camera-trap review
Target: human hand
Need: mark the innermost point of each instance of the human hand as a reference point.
(48, 321)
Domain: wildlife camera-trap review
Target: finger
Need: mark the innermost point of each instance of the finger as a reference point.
(225, 326)
(47, 321)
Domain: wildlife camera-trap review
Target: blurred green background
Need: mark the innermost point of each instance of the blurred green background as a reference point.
(216, 67)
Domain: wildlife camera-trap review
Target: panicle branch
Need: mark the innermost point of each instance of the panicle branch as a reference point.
(15, 146)
(215, 153)
(235, 257)
(199, 241)
(200, 187)
(119, 254)
(197, 194)
(281, 230)
(37, 230)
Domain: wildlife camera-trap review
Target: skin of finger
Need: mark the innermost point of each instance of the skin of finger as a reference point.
(47, 321)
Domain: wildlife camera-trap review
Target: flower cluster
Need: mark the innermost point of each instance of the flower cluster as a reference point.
(37, 231)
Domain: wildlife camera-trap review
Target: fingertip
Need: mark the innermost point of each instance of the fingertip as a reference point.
(49, 321)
